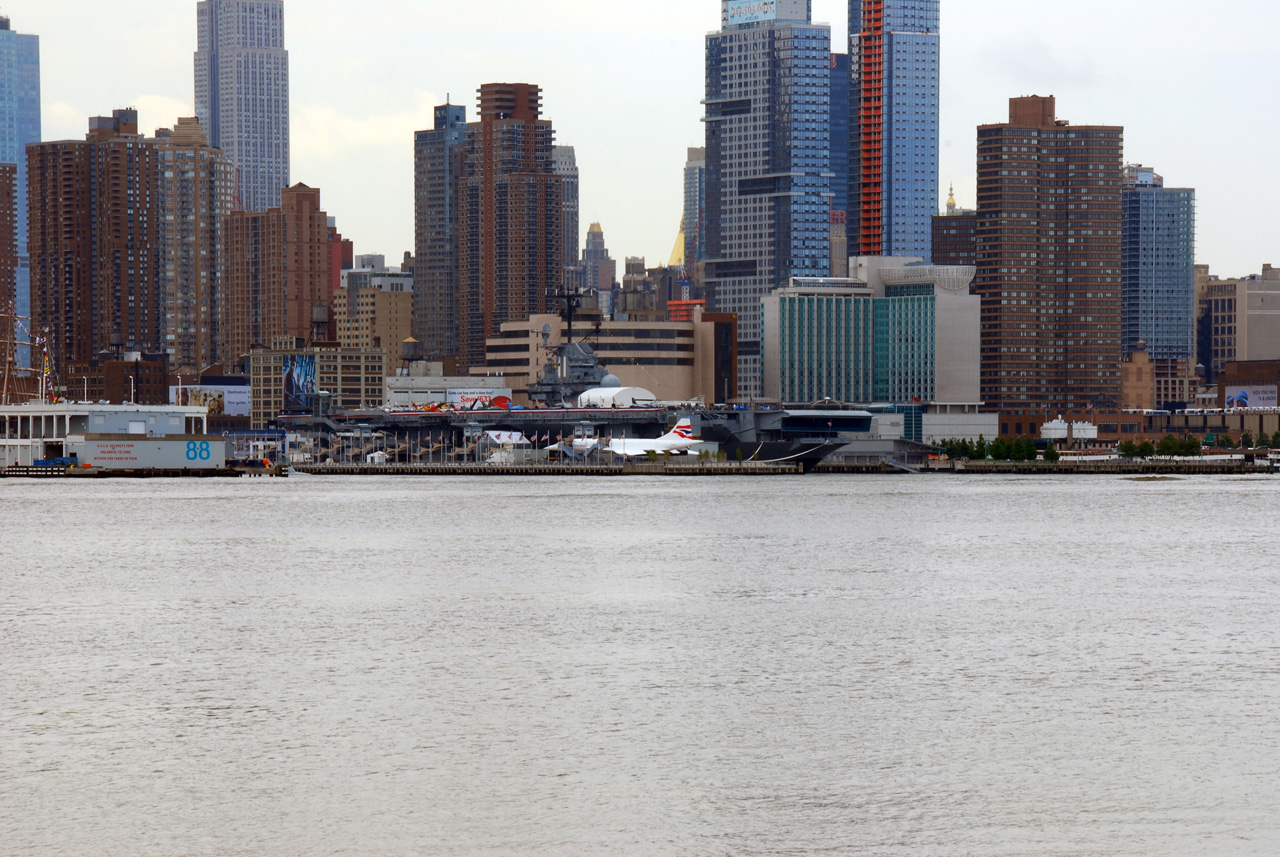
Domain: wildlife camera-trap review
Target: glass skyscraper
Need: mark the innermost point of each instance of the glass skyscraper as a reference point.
(893, 141)
(242, 93)
(1158, 294)
(19, 125)
(839, 131)
(768, 209)
(695, 208)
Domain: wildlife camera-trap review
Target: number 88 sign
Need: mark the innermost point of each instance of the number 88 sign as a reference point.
(198, 450)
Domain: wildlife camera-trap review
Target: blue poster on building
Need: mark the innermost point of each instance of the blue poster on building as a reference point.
(299, 383)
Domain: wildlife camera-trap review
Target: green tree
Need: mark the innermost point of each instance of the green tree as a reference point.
(1051, 455)
(1128, 449)
(1000, 450)
(1246, 440)
(1191, 446)
(1146, 449)
(1225, 441)
(982, 449)
(1275, 440)
(1169, 446)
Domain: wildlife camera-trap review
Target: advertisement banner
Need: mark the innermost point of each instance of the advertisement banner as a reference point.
(750, 11)
(1253, 397)
(474, 398)
(188, 453)
(299, 383)
(231, 401)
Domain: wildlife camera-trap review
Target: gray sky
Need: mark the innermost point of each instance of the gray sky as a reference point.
(1196, 88)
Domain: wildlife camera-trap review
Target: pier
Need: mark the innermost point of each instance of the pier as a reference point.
(1179, 467)
(643, 468)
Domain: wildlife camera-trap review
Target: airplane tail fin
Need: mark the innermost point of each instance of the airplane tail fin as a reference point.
(683, 430)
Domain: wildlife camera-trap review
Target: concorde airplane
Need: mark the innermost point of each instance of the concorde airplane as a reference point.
(679, 440)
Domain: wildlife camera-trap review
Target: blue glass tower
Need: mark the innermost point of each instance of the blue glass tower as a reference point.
(840, 80)
(19, 125)
(894, 104)
(1158, 291)
(768, 103)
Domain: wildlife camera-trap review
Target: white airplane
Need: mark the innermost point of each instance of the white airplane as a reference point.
(680, 439)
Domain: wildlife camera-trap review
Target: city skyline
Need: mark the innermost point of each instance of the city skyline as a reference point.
(354, 113)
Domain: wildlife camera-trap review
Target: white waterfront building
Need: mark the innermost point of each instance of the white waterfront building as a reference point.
(131, 437)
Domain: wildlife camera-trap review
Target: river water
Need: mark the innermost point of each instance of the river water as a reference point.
(640, 666)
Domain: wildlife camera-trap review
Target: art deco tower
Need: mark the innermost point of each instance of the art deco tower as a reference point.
(242, 93)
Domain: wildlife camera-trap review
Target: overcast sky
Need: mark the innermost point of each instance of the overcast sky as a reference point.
(1197, 88)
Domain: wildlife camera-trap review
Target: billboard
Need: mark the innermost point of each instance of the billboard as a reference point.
(299, 382)
(220, 400)
(1253, 397)
(750, 11)
(146, 453)
(464, 399)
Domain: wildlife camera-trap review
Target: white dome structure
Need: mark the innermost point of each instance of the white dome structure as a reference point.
(616, 397)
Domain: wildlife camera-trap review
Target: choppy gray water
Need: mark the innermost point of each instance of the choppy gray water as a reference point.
(822, 665)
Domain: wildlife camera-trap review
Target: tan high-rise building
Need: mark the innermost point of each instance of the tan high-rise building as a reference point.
(95, 240)
(197, 187)
(370, 317)
(277, 272)
(1049, 260)
(1237, 319)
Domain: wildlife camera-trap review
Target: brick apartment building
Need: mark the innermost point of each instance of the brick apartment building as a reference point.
(277, 272)
(1049, 260)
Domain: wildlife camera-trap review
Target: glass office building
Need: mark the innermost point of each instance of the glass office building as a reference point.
(768, 207)
(894, 333)
(1158, 304)
(19, 125)
(893, 161)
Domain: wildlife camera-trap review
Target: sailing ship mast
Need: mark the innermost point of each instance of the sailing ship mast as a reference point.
(16, 383)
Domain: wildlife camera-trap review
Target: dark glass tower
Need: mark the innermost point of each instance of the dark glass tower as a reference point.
(437, 163)
(768, 209)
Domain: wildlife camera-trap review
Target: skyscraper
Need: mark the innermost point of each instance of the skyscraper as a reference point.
(841, 80)
(1049, 260)
(599, 270)
(19, 125)
(1159, 266)
(437, 167)
(893, 141)
(566, 166)
(95, 240)
(768, 212)
(196, 185)
(695, 209)
(510, 204)
(242, 93)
